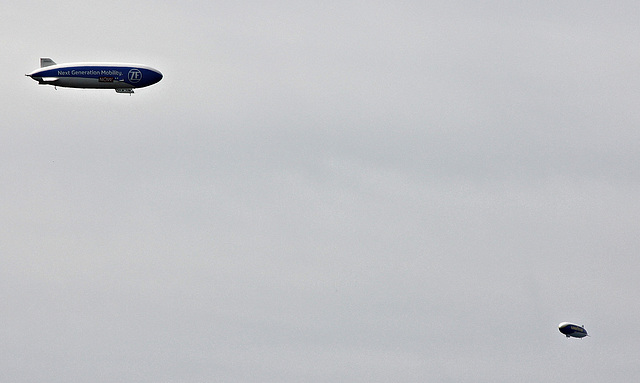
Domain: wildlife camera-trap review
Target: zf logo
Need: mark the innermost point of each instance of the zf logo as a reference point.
(135, 75)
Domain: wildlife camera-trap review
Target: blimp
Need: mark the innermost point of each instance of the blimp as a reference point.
(95, 75)
(572, 330)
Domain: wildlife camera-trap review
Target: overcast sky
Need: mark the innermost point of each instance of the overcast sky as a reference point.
(339, 192)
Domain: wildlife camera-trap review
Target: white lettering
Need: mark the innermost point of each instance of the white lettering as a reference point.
(93, 72)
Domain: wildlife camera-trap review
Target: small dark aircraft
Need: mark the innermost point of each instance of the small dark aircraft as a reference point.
(572, 330)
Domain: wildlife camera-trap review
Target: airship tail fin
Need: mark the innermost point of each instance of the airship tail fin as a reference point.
(46, 61)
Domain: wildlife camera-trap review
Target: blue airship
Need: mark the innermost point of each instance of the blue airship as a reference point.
(573, 330)
(121, 77)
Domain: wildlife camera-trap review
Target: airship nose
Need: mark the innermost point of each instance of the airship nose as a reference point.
(157, 76)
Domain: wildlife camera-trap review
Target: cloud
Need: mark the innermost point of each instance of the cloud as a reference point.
(322, 192)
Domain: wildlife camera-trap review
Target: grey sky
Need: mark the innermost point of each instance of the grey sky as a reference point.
(348, 192)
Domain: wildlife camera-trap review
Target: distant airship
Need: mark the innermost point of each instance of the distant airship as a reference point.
(571, 329)
(121, 77)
